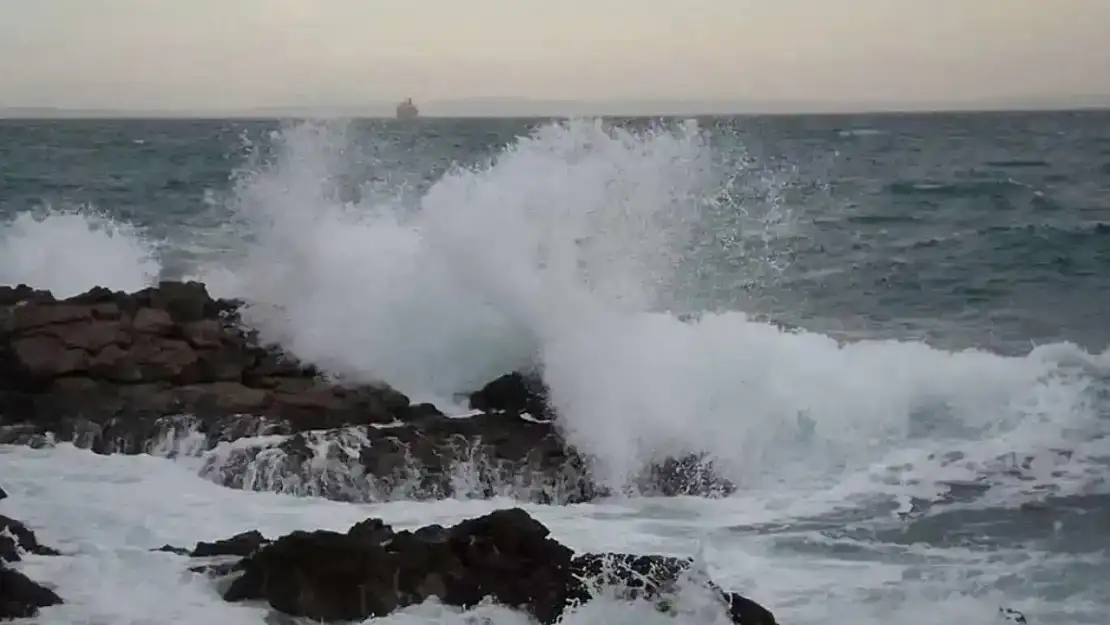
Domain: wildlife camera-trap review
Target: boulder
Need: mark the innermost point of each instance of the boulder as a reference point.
(481, 456)
(518, 393)
(20, 597)
(507, 556)
(99, 368)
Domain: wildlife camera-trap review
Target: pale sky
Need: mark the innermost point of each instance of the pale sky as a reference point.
(213, 54)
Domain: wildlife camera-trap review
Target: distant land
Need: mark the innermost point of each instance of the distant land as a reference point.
(526, 107)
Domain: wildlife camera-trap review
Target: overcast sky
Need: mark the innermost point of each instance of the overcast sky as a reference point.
(212, 54)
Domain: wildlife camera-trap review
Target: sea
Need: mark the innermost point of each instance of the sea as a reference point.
(889, 330)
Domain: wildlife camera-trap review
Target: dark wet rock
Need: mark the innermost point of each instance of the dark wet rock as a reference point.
(21, 597)
(3, 494)
(482, 456)
(239, 545)
(1012, 615)
(516, 392)
(506, 556)
(15, 538)
(101, 368)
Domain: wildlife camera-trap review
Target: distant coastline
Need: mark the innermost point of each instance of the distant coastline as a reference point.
(523, 108)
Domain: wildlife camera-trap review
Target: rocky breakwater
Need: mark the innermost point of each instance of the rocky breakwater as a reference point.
(169, 370)
(20, 597)
(506, 556)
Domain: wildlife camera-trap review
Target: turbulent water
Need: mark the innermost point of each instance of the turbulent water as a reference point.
(888, 330)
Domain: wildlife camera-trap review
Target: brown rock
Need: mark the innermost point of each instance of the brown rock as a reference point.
(203, 334)
(224, 398)
(153, 321)
(319, 399)
(165, 360)
(26, 316)
(113, 363)
(47, 357)
(153, 399)
(108, 310)
(184, 301)
(91, 336)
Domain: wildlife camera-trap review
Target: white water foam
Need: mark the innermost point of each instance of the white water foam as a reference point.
(69, 251)
(105, 513)
(559, 251)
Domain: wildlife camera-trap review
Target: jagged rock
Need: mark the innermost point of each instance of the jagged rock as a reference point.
(3, 493)
(100, 367)
(515, 392)
(480, 456)
(16, 537)
(239, 545)
(507, 556)
(20, 597)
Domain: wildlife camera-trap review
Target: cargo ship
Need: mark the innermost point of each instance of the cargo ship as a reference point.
(407, 110)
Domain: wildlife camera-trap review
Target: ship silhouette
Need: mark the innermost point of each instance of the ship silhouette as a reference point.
(407, 110)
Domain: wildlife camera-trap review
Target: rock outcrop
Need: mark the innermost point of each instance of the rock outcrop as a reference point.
(101, 367)
(170, 369)
(507, 556)
(21, 597)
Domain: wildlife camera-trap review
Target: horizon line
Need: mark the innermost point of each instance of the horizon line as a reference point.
(550, 109)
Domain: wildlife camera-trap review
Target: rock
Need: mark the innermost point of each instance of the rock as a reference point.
(20, 597)
(483, 456)
(16, 538)
(506, 556)
(239, 545)
(101, 367)
(169, 370)
(3, 494)
(515, 392)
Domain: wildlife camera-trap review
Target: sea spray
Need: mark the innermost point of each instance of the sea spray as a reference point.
(559, 251)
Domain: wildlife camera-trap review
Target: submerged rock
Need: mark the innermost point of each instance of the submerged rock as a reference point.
(507, 556)
(21, 597)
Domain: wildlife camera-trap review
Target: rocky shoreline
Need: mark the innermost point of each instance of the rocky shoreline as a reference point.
(170, 370)
(20, 597)
(371, 570)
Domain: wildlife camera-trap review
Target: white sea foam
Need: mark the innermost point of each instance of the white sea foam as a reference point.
(106, 512)
(560, 252)
(69, 251)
